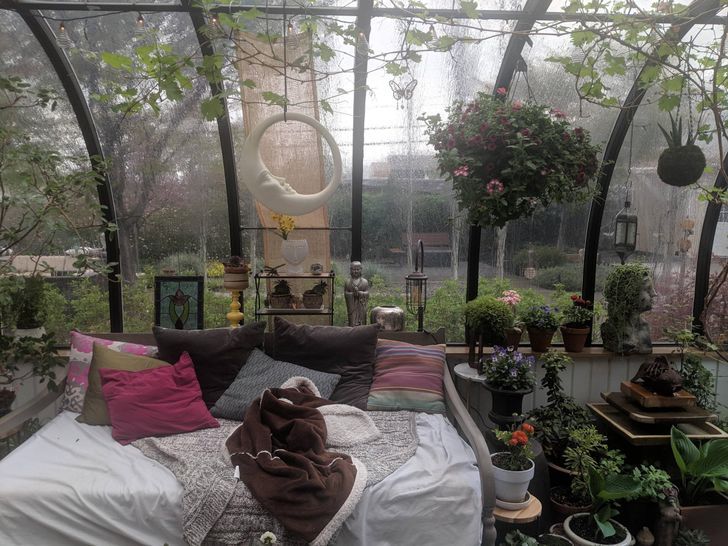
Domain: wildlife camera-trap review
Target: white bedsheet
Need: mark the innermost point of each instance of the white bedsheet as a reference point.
(72, 484)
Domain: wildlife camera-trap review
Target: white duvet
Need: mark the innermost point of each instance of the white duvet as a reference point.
(72, 484)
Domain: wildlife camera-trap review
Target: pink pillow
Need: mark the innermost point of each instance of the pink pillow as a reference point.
(79, 361)
(155, 402)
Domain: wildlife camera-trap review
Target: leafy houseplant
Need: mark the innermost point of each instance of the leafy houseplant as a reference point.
(576, 323)
(486, 320)
(541, 322)
(680, 164)
(281, 297)
(513, 468)
(562, 414)
(506, 159)
(703, 470)
(314, 297)
(598, 526)
(29, 304)
(509, 375)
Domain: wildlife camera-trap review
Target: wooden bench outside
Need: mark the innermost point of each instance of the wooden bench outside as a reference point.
(437, 245)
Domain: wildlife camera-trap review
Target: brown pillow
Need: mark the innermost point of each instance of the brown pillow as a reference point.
(349, 352)
(95, 410)
(218, 353)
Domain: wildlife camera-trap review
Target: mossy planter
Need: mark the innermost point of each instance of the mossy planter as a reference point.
(681, 166)
(506, 406)
(571, 528)
(574, 338)
(540, 339)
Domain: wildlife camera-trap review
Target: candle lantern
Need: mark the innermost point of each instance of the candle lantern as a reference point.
(625, 232)
(416, 287)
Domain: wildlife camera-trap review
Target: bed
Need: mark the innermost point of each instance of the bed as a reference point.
(71, 483)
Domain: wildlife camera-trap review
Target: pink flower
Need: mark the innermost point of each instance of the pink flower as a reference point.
(494, 186)
(511, 297)
(501, 91)
(461, 171)
(578, 131)
(492, 146)
(558, 113)
(566, 137)
(525, 133)
(484, 127)
(517, 105)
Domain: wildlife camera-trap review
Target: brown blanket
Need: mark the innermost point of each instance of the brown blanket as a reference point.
(280, 450)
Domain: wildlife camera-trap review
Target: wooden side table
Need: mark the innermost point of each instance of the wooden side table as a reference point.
(525, 515)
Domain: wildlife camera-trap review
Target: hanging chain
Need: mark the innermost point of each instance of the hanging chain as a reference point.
(285, 63)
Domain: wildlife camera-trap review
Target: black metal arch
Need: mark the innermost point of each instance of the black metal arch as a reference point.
(533, 10)
(698, 9)
(58, 59)
(227, 146)
(705, 250)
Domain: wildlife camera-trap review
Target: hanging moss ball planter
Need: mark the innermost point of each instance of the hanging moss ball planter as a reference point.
(680, 165)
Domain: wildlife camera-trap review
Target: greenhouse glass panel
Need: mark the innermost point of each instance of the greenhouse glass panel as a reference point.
(52, 143)
(166, 167)
(716, 311)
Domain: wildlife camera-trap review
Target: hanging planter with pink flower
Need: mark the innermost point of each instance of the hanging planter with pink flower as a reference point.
(506, 159)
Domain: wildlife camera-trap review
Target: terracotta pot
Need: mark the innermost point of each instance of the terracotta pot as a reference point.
(313, 301)
(578, 541)
(558, 475)
(710, 518)
(7, 397)
(559, 511)
(506, 406)
(574, 338)
(511, 485)
(540, 339)
(513, 337)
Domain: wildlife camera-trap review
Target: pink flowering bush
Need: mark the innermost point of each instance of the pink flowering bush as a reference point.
(511, 297)
(506, 159)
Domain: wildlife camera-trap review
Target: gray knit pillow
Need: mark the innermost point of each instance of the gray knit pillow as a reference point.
(259, 373)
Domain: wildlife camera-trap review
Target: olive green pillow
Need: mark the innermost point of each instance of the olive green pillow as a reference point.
(95, 410)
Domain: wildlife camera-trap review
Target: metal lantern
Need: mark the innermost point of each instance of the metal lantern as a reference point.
(625, 232)
(416, 287)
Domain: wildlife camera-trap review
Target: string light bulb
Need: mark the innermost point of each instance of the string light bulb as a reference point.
(139, 30)
(62, 38)
(214, 20)
(290, 27)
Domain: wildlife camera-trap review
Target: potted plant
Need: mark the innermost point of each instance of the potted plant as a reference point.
(541, 323)
(680, 164)
(517, 538)
(598, 527)
(314, 298)
(22, 358)
(506, 159)
(587, 450)
(576, 323)
(281, 297)
(703, 480)
(558, 417)
(656, 499)
(513, 469)
(509, 375)
(514, 331)
(235, 275)
(486, 321)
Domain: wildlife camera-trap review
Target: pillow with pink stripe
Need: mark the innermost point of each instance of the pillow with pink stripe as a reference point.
(79, 361)
(408, 377)
(155, 402)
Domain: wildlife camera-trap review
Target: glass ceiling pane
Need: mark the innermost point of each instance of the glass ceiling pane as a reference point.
(166, 169)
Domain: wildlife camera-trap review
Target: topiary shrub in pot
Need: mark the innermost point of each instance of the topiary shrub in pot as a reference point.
(680, 164)
(486, 321)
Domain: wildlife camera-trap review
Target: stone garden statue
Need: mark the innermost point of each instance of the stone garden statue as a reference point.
(629, 293)
(356, 292)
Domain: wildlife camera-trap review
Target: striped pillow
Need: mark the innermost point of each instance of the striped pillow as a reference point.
(408, 377)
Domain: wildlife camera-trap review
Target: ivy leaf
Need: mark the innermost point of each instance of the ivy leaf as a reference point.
(324, 52)
(582, 37)
(395, 69)
(326, 107)
(212, 108)
(673, 85)
(469, 8)
(273, 98)
(114, 60)
(250, 84)
(667, 103)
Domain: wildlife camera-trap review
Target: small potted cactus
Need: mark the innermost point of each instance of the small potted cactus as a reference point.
(680, 164)
(314, 298)
(281, 297)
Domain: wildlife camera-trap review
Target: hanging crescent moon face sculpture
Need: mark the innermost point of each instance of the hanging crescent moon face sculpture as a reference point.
(273, 191)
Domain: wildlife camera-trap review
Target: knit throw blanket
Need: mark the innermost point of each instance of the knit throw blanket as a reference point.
(219, 509)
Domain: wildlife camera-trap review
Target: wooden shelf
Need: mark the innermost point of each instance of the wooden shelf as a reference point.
(284, 311)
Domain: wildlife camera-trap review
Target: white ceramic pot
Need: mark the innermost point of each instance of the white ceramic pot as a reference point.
(578, 541)
(512, 485)
(294, 252)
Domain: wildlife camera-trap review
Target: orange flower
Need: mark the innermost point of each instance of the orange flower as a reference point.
(527, 428)
(513, 442)
(520, 437)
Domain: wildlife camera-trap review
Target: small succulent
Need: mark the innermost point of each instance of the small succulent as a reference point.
(318, 289)
(691, 537)
(282, 288)
(680, 164)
